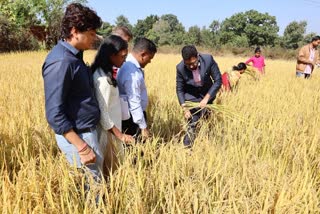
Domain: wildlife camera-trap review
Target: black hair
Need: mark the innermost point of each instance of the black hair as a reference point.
(144, 44)
(239, 67)
(111, 45)
(315, 38)
(189, 51)
(81, 18)
(257, 50)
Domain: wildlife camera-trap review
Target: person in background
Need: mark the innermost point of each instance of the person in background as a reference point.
(125, 33)
(231, 78)
(112, 52)
(72, 110)
(308, 57)
(198, 80)
(257, 61)
(133, 89)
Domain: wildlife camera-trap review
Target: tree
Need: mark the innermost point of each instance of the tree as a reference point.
(259, 28)
(307, 38)
(123, 21)
(25, 15)
(167, 31)
(144, 26)
(210, 36)
(105, 29)
(193, 36)
(160, 33)
(293, 34)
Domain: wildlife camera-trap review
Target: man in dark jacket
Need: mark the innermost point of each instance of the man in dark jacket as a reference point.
(198, 80)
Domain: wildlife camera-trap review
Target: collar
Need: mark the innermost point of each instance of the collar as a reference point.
(72, 49)
(312, 48)
(130, 58)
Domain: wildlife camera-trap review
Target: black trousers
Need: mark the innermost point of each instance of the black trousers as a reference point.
(197, 114)
(131, 128)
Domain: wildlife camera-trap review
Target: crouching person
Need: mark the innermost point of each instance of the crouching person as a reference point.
(198, 80)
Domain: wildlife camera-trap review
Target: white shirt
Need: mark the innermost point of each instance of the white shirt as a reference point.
(132, 87)
(109, 101)
(308, 69)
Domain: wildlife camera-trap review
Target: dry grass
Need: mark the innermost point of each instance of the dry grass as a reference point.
(269, 164)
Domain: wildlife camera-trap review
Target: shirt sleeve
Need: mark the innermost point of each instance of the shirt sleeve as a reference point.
(57, 81)
(180, 87)
(217, 81)
(249, 60)
(302, 56)
(132, 87)
(103, 95)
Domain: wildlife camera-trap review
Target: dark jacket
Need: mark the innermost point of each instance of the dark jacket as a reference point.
(186, 88)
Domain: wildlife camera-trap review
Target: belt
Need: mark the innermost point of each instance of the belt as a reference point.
(81, 131)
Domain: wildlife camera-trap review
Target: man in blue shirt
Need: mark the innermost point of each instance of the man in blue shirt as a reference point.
(132, 87)
(71, 107)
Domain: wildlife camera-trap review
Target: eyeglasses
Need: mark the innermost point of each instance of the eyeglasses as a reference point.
(192, 65)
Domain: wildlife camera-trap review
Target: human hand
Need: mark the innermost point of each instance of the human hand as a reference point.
(127, 139)
(87, 156)
(203, 103)
(187, 113)
(145, 133)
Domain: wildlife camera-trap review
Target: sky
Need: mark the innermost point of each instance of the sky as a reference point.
(203, 12)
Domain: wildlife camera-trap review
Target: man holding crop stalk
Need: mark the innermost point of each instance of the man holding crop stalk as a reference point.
(71, 107)
(307, 59)
(132, 88)
(198, 81)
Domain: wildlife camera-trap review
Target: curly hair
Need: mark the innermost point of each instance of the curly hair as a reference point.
(81, 18)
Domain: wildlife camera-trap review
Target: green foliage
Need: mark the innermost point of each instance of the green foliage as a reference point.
(123, 21)
(293, 34)
(105, 29)
(260, 29)
(142, 27)
(13, 38)
(193, 36)
(307, 38)
(167, 31)
(23, 15)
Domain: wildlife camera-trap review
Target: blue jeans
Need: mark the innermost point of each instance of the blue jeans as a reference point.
(72, 155)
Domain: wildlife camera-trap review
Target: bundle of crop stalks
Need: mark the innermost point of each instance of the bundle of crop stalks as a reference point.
(217, 108)
(251, 71)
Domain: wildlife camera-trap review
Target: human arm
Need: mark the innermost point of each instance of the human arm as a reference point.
(302, 57)
(121, 136)
(249, 60)
(86, 154)
(180, 85)
(57, 82)
(135, 91)
(215, 76)
(103, 92)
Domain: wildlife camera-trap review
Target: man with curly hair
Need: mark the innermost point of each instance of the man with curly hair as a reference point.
(72, 110)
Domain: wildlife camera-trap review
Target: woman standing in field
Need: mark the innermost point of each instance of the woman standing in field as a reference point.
(230, 79)
(257, 61)
(112, 52)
